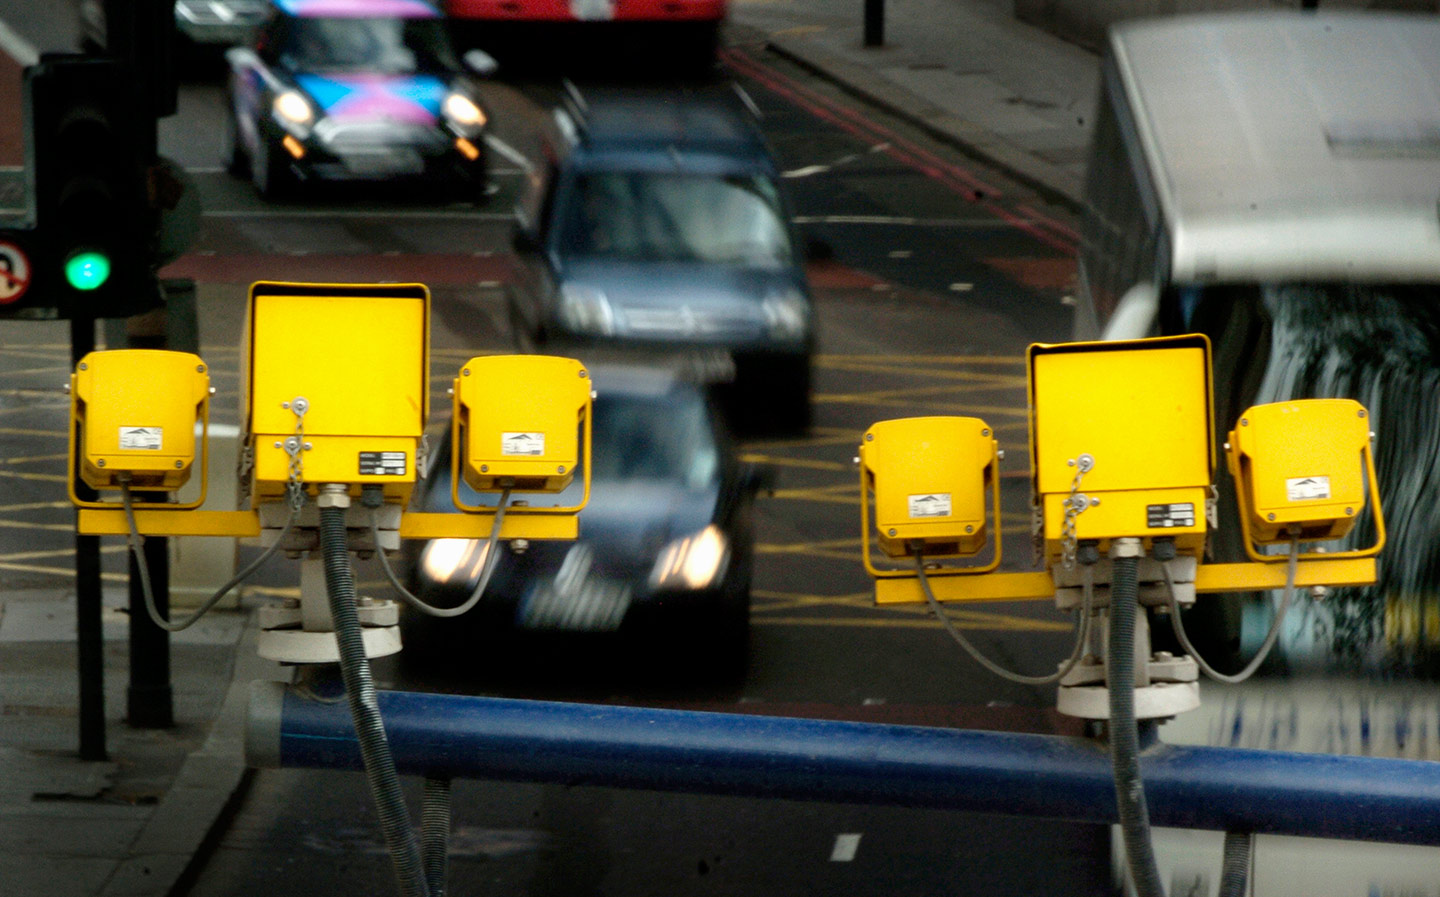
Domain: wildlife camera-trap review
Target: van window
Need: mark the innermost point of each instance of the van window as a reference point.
(1121, 216)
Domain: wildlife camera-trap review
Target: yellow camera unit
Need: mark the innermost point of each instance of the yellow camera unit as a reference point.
(1121, 440)
(929, 477)
(336, 389)
(521, 422)
(133, 414)
(1302, 469)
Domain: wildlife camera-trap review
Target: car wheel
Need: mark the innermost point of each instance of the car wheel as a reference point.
(726, 641)
(787, 409)
(270, 173)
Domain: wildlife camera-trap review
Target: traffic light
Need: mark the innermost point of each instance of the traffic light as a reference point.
(94, 228)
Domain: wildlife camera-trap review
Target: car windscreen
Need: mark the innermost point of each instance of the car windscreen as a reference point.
(663, 438)
(660, 216)
(391, 46)
(643, 437)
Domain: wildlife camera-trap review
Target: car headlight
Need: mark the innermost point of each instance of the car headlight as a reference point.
(786, 314)
(694, 562)
(454, 561)
(464, 113)
(586, 310)
(292, 108)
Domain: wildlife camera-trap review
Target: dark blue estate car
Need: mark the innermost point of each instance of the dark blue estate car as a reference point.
(657, 221)
(355, 90)
(667, 536)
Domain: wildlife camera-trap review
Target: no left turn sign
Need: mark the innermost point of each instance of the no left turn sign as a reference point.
(14, 273)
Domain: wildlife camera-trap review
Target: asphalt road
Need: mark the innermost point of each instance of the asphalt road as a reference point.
(943, 272)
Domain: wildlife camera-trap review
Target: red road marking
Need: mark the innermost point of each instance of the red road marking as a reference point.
(453, 269)
(12, 127)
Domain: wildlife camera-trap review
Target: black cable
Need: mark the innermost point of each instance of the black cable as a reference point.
(1082, 634)
(1234, 877)
(1124, 732)
(435, 833)
(375, 753)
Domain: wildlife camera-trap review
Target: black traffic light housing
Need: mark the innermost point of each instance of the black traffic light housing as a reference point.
(94, 228)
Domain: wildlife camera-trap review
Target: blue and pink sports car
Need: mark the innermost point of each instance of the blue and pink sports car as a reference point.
(367, 90)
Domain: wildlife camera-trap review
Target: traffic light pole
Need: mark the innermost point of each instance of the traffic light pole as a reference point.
(89, 635)
(140, 32)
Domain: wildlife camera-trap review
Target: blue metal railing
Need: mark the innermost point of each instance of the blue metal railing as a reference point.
(1275, 792)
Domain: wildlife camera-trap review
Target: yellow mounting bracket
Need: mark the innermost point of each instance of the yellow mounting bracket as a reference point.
(928, 476)
(1303, 467)
(132, 421)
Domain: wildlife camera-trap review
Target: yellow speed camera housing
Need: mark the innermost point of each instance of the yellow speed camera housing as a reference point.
(1302, 469)
(135, 411)
(521, 422)
(929, 477)
(1121, 440)
(337, 384)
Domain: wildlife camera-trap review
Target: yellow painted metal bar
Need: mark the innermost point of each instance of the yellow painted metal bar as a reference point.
(417, 525)
(1209, 578)
(246, 524)
(987, 587)
(236, 524)
(1249, 577)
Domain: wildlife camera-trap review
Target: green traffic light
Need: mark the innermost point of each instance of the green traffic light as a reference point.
(87, 270)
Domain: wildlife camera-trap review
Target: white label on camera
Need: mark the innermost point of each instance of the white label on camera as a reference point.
(1307, 488)
(522, 443)
(142, 438)
(931, 504)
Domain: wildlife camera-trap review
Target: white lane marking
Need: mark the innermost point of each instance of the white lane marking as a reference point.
(509, 152)
(18, 48)
(961, 287)
(872, 702)
(845, 848)
(805, 172)
(900, 253)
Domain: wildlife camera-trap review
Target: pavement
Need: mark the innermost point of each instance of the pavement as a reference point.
(133, 824)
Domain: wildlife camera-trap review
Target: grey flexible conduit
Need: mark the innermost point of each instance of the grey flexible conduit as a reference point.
(1082, 632)
(360, 689)
(435, 833)
(133, 539)
(1124, 734)
(1236, 864)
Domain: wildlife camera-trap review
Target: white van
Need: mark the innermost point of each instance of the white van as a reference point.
(1273, 181)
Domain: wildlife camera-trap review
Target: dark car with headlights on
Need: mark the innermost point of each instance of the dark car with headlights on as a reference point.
(658, 221)
(666, 540)
(362, 90)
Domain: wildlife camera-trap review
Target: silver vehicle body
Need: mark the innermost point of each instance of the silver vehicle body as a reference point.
(1266, 147)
